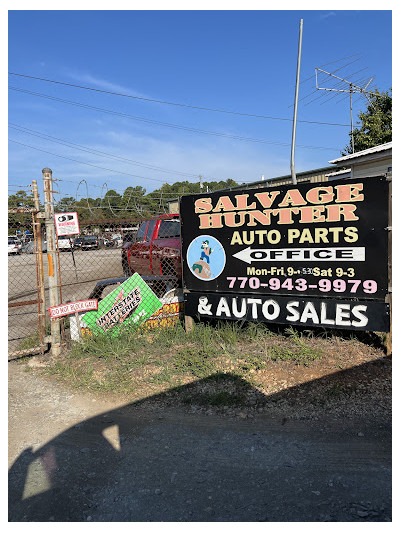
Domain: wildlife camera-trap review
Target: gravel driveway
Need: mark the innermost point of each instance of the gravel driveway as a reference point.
(77, 457)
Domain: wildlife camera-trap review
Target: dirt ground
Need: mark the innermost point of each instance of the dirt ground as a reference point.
(316, 447)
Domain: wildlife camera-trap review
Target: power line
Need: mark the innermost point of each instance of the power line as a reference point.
(167, 124)
(94, 151)
(88, 164)
(171, 103)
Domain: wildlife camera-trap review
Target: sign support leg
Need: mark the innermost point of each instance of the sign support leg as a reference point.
(189, 323)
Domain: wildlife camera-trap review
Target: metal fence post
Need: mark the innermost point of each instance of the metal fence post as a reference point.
(52, 258)
(37, 231)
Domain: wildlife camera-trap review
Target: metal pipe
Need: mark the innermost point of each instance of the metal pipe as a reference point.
(351, 117)
(296, 100)
(52, 258)
(37, 232)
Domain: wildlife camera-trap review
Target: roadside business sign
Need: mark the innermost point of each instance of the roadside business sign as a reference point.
(131, 303)
(66, 224)
(300, 311)
(70, 308)
(290, 244)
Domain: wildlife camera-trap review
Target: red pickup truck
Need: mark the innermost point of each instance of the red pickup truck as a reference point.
(156, 249)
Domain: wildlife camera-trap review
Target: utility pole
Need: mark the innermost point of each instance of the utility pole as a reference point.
(351, 117)
(296, 100)
(201, 183)
(52, 258)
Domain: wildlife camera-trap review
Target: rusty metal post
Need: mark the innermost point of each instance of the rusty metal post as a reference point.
(37, 232)
(52, 258)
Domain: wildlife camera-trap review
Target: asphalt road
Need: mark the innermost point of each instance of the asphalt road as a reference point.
(76, 457)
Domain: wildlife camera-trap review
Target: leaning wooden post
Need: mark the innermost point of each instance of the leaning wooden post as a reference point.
(189, 324)
(37, 232)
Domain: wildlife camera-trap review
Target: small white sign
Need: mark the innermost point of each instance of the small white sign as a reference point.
(66, 224)
(73, 307)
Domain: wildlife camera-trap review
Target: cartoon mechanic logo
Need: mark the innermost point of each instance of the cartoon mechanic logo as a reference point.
(206, 257)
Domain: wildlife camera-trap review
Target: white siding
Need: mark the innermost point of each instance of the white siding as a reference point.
(372, 168)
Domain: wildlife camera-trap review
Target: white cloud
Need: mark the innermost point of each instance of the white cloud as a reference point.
(328, 15)
(100, 83)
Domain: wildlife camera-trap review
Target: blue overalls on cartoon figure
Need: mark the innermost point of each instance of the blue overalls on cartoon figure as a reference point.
(205, 251)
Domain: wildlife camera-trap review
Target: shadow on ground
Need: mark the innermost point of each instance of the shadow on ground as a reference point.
(144, 462)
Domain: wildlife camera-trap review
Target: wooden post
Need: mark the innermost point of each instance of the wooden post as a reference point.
(78, 321)
(37, 233)
(189, 323)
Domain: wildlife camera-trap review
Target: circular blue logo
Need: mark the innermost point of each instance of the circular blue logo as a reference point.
(206, 257)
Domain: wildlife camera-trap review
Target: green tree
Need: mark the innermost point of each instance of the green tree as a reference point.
(374, 126)
(20, 221)
(111, 204)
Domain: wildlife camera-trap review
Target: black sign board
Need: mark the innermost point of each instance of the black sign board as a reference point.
(327, 313)
(321, 240)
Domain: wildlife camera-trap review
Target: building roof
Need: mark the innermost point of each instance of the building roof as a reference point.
(368, 151)
(314, 171)
(338, 173)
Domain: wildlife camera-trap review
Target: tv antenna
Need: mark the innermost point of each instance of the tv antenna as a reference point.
(353, 89)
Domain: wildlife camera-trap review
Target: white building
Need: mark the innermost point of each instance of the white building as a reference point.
(376, 161)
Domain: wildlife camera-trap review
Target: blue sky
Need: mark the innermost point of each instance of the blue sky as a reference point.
(241, 61)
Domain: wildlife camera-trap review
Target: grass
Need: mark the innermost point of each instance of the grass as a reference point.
(215, 365)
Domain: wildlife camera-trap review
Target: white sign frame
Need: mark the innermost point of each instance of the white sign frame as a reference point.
(69, 223)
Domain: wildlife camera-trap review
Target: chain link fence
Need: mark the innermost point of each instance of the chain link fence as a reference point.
(101, 263)
(26, 320)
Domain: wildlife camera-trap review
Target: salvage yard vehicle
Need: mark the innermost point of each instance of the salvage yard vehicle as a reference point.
(14, 246)
(65, 243)
(30, 247)
(78, 243)
(90, 243)
(156, 248)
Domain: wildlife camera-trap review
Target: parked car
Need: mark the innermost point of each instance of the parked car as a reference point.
(65, 243)
(156, 249)
(29, 247)
(14, 246)
(78, 242)
(108, 243)
(90, 243)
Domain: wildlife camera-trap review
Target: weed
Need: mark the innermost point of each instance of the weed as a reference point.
(220, 398)
(300, 354)
(337, 389)
(256, 332)
(32, 341)
(252, 362)
(195, 361)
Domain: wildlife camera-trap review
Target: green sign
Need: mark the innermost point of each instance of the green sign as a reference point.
(132, 303)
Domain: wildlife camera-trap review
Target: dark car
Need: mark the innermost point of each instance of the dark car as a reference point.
(90, 243)
(78, 243)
